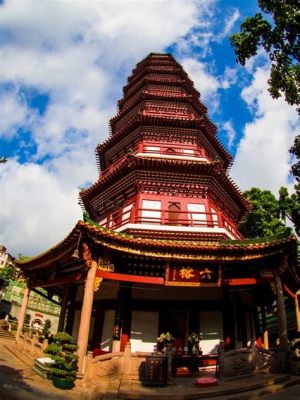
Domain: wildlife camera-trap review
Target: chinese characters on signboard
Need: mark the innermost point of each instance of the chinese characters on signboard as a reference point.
(192, 274)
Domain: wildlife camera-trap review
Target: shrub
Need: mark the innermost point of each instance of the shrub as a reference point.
(4, 324)
(62, 351)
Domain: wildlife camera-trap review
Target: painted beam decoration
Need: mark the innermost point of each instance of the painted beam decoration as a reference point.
(192, 274)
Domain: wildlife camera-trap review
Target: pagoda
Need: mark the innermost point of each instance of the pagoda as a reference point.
(159, 248)
(164, 173)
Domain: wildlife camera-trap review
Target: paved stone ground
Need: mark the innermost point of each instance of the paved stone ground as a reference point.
(292, 393)
(19, 382)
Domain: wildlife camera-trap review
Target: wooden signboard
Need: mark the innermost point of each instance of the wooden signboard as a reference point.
(192, 274)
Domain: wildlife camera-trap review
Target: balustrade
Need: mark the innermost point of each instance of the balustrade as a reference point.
(167, 217)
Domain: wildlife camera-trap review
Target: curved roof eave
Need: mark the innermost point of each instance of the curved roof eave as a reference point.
(228, 250)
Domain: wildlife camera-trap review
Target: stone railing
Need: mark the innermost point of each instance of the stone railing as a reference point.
(31, 346)
(247, 361)
(122, 364)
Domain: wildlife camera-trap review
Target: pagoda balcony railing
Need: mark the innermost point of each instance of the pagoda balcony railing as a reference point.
(192, 219)
(173, 152)
(163, 150)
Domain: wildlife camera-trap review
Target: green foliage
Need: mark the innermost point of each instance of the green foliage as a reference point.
(4, 324)
(23, 258)
(52, 348)
(8, 272)
(62, 338)
(290, 207)
(62, 352)
(295, 150)
(264, 218)
(280, 39)
(46, 329)
(27, 319)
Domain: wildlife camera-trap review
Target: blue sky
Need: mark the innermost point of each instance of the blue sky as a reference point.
(63, 67)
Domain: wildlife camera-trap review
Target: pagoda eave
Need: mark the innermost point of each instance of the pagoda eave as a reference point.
(223, 251)
(132, 163)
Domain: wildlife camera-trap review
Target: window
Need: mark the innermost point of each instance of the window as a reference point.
(126, 213)
(149, 211)
(197, 214)
(214, 217)
(188, 151)
(152, 149)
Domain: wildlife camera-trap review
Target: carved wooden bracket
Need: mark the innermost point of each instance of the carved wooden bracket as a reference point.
(87, 255)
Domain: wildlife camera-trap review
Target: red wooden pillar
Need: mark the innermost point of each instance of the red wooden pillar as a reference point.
(22, 312)
(86, 310)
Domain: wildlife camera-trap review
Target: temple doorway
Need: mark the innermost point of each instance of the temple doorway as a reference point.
(179, 322)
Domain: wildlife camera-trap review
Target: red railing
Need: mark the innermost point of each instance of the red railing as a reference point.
(171, 218)
(172, 151)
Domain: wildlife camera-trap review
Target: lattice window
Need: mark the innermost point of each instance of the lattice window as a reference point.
(197, 213)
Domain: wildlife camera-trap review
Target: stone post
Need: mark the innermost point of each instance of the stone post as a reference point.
(127, 360)
(22, 313)
(282, 324)
(62, 315)
(85, 318)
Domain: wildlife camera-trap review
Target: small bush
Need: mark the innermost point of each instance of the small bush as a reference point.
(62, 351)
(4, 324)
(13, 326)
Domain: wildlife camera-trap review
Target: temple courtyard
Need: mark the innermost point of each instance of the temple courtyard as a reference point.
(19, 382)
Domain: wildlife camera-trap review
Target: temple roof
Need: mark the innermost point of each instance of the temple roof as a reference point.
(131, 163)
(105, 239)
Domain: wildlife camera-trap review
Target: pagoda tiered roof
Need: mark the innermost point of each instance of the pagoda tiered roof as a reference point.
(171, 92)
(161, 122)
(162, 133)
(140, 164)
(103, 240)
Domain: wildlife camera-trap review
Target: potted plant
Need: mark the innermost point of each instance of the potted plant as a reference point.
(193, 343)
(163, 340)
(62, 352)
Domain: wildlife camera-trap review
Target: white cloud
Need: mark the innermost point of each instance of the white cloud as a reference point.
(262, 157)
(37, 209)
(228, 25)
(230, 131)
(207, 83)
(79, 54)
(14, 114)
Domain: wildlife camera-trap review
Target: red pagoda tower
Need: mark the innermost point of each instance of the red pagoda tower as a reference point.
(164, 172)
(159, 248)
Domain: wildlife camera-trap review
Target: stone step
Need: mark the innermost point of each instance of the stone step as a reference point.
(260, 392)
(248, 389)
(21, 356)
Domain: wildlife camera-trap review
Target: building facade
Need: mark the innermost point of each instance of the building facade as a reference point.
(159, 249)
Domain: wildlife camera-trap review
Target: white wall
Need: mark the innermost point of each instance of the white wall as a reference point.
(107, 332)
(144, 330)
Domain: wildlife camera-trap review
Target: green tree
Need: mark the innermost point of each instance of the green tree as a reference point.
(265, 217)
(46, 329)
(280, 39)
(278, 33)
(295, 209)
(289, 206)
(8, 272)
(27, 319)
